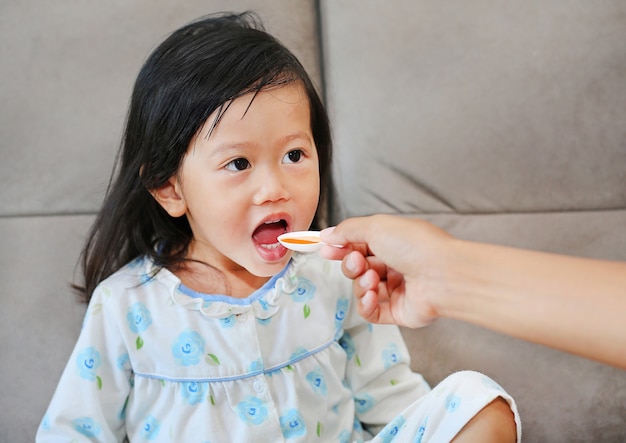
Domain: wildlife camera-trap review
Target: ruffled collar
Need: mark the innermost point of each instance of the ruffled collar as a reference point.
(262, 303)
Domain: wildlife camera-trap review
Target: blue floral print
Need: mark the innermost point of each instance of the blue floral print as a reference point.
(340, 313)
(138, 318)
(304, 291)
(121, 414)
(452, 402)
(146, 278)
(228, 322)
(347, 343)
(317, 381)
(194, 392)
(420, 432)
(135, 263)
(299, 352)
(492, 384)
(264, 321)
(390, 355)
(151, 427)
(363, 403)
(304, 386)
(87, 362)
(292, 425)
(188, 348)
(86, 426)
(122, 361)
(390, 432)
(263, 304)
(252, 411)
(344, 437)
(273, 372)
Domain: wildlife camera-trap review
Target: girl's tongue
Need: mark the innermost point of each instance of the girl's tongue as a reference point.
(267, 233)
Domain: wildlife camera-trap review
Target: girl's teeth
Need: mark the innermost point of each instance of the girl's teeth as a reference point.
(274, 246)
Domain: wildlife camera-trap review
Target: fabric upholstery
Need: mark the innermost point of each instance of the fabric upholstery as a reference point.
(67, 73)
(501, 122)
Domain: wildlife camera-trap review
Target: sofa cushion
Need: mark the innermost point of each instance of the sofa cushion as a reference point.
(66, 89)
(67, 71)
(476, 109)
(500, 123)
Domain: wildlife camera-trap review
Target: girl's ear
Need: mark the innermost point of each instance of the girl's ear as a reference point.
(171, 198)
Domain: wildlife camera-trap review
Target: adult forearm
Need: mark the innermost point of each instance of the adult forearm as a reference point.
(573, 304)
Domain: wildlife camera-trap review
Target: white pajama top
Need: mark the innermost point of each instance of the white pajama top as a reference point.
(156, 361)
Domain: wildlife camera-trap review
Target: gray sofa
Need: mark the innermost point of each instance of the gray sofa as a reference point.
(499, 121)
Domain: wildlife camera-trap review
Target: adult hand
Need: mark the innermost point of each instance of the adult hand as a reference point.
(395, 264)
(409, 272)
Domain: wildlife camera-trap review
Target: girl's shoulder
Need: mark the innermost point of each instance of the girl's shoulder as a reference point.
(136, 277)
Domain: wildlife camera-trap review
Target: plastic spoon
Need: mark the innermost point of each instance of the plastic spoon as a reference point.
(302, 241)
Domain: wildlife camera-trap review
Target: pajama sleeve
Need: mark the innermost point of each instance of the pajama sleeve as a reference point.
(90, 399)
(378, 371)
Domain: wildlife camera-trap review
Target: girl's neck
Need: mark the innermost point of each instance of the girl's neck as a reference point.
(207, 279)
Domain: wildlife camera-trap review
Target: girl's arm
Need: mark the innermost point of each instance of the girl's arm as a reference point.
(378, 368)
(90, 399)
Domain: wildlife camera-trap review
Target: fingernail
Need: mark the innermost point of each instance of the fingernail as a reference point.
(350, 263)
(326, 232)
(364, 281)
(368, 299)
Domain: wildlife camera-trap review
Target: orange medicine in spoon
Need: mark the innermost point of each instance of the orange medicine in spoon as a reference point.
(302, 241)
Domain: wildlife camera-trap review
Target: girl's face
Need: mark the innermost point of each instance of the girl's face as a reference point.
(253, 178)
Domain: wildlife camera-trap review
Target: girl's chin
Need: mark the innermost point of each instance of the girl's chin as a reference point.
(266, 272)
(268, 262)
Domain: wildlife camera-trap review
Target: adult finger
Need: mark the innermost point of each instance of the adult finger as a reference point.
(351, 231)
(368, 281)
(368, 307)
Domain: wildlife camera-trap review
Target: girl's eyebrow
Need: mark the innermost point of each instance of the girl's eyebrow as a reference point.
(297, 135)
(225, 148)
(235, 145)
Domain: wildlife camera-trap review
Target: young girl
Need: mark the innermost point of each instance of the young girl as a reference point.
(201, 326)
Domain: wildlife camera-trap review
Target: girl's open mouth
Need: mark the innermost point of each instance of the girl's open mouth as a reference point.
(265, 238)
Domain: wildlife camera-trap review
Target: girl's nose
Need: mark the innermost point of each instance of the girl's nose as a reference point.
(271, 187)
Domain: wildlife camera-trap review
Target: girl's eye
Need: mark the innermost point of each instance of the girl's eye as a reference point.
(294, 156)
(238, 164)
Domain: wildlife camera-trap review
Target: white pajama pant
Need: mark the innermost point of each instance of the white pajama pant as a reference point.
(438, 416)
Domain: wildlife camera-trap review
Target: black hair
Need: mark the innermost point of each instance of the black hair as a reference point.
(194, 72)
